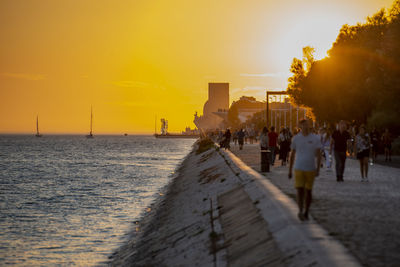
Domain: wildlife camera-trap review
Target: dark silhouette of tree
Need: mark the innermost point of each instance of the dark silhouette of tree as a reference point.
(299, 68)
(233, 117)
(245, 102)
(257, 120)
(360, 79)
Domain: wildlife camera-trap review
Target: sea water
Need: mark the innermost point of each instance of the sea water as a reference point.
(69, 200)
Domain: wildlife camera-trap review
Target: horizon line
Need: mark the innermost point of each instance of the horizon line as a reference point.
(83, 134)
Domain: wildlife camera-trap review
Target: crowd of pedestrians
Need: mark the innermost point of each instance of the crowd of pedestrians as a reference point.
(310, 148)
(276, 143)
(343, 141)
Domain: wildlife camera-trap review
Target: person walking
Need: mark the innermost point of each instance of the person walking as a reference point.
(326, 145)
(339, 143)
(387, 144)
(305, 150)
(362, 147)
(284, 145)
(227, 139)
(374, 136)
(350, 143)
(273, 144)
(241, 134)
(235, 137)
(252, 135)
(264, 139)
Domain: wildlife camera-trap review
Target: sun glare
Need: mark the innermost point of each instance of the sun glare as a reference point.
(315, 31)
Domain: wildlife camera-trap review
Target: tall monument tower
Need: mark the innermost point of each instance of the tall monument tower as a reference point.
(218, 100)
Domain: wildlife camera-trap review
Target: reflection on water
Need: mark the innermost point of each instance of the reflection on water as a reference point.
(69, 200)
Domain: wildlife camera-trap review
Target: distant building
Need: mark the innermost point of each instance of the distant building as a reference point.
(217, 103)
(284, 114)
(247, 106)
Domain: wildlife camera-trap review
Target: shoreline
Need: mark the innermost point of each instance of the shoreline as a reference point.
(146, 218)
(179, 217)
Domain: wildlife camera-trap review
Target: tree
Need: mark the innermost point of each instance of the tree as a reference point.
(360, 80)
(299, 68)
(233, 117)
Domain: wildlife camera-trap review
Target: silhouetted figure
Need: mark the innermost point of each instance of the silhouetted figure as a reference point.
(227, 139)
(273, 143)
(339, 143)
(235, 137)
(252, 135)
(387, 144)
(326, 145)
(374, 143)
(350, 143)
(305, 148)
(264, 139)
(241, 134)
(362, 148)
(220, 139)
(284, 145)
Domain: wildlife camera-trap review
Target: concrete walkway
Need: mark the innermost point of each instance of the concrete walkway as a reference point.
(218, 211)
(247, 237)
(300, 243)
(363, 216)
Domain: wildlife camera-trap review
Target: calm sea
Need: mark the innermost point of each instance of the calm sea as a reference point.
(69, 200)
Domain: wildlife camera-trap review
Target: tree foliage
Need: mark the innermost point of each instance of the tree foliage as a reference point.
(258, 120)
(233, 117)
(360, 79)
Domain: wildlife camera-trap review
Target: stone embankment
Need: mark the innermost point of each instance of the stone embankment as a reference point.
(217, 211)
(182, 227)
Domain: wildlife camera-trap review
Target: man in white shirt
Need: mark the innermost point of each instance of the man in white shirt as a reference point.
(306, 148)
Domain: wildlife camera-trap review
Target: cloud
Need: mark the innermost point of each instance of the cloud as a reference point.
(263, 75)
(24, 76)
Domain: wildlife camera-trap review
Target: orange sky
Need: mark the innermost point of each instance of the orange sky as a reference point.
(134, 59)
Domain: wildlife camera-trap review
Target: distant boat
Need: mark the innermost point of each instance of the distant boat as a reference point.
(90, 135)
(165, 134)
(37, 127)
(126, 134)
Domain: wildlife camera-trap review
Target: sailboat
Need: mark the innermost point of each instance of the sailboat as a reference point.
(90, 135)
(37, 127)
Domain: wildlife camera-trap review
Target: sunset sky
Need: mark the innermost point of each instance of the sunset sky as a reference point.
(133, 60)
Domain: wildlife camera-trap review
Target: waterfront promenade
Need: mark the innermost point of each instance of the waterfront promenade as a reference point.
(218, 211)
(364, 216)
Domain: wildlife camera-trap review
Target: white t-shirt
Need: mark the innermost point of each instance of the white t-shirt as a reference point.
(305, 147)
